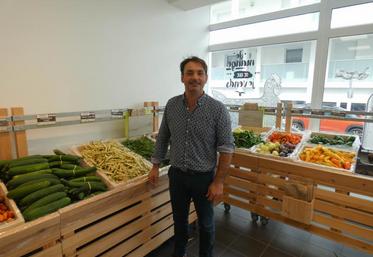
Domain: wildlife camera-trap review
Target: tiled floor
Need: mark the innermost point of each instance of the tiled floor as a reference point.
(238, 236)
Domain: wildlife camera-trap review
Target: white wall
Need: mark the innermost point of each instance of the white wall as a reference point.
(74, 55)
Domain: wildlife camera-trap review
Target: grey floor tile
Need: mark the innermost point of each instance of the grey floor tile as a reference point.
(298, 233)
(262, 233)
(230, 253)
(315, 251)
(289, 244)
(272, 252)
(350, 252)
(247, 246)
(225, 236)
(193, 250)
(325, 243)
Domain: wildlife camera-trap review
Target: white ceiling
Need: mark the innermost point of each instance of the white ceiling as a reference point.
(192, 4)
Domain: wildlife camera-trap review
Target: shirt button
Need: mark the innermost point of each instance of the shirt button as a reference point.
(188, 119)
(187, 131)
(186, 143)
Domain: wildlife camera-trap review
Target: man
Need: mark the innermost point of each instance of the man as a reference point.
(197, 127)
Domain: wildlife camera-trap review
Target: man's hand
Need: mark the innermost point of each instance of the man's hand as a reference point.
(154, 174)
(215, 191)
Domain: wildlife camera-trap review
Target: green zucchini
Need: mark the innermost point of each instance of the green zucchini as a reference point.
(45, 200)
(58, 152)
(73, 173)
(36, 156)
(46, 209)
(31, 198)
(27, 168)
(54, 181)
(39, 172)
(57, 164)
(85, 179)
(90, 185)
(27, 162)
(68, 166)
(66, 157)
(15, 182)
(21, 192)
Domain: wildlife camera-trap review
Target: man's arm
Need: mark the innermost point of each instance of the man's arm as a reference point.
(215, 190)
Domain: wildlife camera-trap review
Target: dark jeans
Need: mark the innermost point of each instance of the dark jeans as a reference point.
(184, 187)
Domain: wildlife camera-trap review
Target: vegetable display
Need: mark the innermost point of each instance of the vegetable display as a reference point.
(115, 160)
(332, 140)
(280, 144)
(5, 213)
(39, 183)
(145, 147)
(246, 139)
(285, 137)
(328, 157)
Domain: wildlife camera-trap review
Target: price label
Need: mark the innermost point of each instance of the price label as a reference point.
(117, 114)
(87, 117)
(46, 119)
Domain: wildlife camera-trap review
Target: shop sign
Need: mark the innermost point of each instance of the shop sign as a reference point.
(240, 70)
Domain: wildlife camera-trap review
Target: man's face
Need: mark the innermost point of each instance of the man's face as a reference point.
(194, 77)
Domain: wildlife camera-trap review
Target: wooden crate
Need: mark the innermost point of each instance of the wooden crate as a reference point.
(107, 180)
(38, 238)
(298, 210)
(131, 219)
(342, 205)
(18, 218)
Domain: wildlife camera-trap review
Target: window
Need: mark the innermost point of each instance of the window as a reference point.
(235, 9)
(265, 29)
(347, 16)
(294, 55)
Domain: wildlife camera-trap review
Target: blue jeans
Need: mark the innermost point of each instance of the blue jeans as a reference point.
(185, 187)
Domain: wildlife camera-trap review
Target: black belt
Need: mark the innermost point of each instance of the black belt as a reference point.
(192, 172)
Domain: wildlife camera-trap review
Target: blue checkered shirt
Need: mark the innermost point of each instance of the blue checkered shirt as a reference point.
(194, 137)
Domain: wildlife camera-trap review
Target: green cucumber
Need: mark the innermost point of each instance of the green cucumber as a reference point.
(85, 179)
(27, 162)
(66, 157)
(54, 181)
(21, 192)
(58, 152)
(31, 198)
(27, 168)
(46, 209)
(67, 166)
(15, 182)
(39, 172)
(57, 164)
(45, 200)
(90, 185)
(73, 173)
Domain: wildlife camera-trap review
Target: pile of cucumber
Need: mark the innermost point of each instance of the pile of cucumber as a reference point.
(42, 184)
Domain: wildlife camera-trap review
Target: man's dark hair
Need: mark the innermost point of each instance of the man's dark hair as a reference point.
(193, 59)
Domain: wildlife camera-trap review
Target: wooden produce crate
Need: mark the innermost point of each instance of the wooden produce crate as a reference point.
(342, 202)
(107, 180)
(129, 220)
(18, 218)
(38, 238)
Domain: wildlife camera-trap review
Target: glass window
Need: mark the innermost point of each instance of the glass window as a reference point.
(235, 9)
(349, 79)
(352, 15)
(277, 27)
(249, 74)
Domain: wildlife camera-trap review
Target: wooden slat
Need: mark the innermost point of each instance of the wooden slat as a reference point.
(267, 179)
(55, 251)
(265, 190)
(320, 175)
(343, 226)
(244, 160)
(268, 202)
(83, 213)
(30, 236)
(346, 213)
(5, 139)
(240, 183)
(95, 231)
(279, 115)
(236, 172)
(239, 193)
(20, 136)
(342, 199)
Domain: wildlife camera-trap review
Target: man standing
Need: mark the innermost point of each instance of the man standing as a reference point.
(197, 127)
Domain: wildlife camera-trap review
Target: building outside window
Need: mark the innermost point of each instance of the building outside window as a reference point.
(327, 61)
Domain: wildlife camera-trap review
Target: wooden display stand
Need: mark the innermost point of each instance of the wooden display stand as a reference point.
(257, 183)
